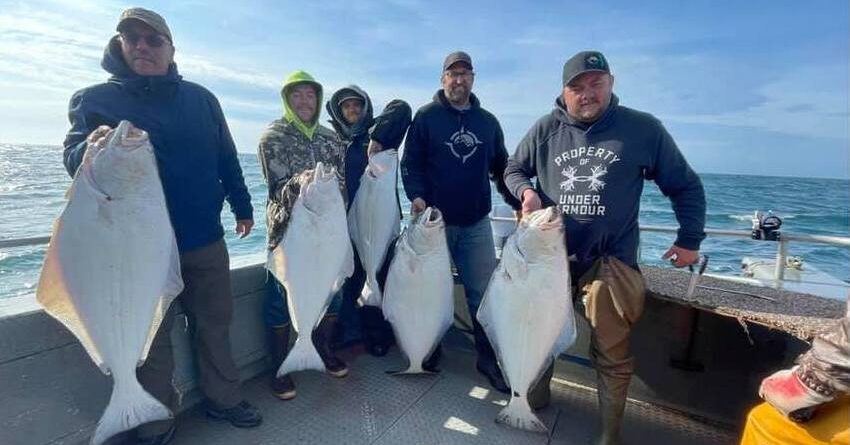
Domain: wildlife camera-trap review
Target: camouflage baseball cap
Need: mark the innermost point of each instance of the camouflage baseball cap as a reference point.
(584, 62)
(147, 17)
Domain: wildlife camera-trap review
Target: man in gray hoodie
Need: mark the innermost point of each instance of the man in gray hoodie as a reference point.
(591, 156)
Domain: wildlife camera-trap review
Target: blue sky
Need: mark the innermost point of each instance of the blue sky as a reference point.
(755, 87)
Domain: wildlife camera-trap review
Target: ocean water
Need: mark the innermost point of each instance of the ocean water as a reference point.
(33, 182)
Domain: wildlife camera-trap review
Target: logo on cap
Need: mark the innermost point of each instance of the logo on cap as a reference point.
(594, 60)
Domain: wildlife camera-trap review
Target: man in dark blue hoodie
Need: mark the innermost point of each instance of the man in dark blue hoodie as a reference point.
(591, 156)
(350, 109)
(454, 149)
(198, 168)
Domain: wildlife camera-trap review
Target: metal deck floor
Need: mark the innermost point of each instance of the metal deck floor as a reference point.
(454, 407)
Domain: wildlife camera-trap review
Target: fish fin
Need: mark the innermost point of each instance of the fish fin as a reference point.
(303, 355)
(54, 297)
(170, 290)
(518, 415)
(276, 263)
(412, 370)
(346, 271)
(513, 260)
(567, 337)
(129, 406)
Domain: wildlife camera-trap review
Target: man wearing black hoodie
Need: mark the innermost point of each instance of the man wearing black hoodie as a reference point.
(591, 156)
(198, 167)
(350, 109)
(453, 150)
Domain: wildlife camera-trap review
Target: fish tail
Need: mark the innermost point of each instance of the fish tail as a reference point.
(371, 295)
(414, 368)
(518, 415)
(129, 406)
(302, 356)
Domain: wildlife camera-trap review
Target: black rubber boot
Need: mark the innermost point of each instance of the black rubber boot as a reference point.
(432, 363)
(486, 363)
(377, 333)
(540, 395)
(322, 339)
(282, 387)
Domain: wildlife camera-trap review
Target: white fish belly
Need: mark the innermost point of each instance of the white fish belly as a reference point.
(525, 318)
(418, 302)
(374, 221)
(107, 268)
(308, 263)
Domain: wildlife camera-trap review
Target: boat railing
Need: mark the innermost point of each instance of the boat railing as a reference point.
(781, 248)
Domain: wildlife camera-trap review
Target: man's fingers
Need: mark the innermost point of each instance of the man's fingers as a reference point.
(98, 133)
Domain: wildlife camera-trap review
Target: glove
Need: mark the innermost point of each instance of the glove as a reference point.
(785, 392)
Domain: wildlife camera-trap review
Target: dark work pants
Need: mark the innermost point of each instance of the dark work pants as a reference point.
(208, 304)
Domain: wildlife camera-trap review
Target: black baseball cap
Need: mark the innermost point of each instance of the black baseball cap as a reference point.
(455, 57)
(584, 62)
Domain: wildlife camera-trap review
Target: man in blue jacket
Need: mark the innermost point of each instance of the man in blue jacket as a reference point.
(198, 167)
(591, 156)
(454, 148)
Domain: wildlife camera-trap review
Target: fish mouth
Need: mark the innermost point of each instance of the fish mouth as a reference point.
(431, 217)
(128, 137)
(546, 219)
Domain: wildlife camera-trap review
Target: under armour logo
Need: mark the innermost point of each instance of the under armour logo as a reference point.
(463, 144)
(594, 178)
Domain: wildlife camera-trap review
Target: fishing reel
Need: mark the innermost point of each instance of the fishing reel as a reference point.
(766, 227)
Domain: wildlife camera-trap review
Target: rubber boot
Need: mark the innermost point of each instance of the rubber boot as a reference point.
(377, 333)
(432, 363)
(540, 394)
(611, 394)
(282, 387)
(322, 339)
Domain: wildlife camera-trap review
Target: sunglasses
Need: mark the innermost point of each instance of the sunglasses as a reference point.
(152, 40)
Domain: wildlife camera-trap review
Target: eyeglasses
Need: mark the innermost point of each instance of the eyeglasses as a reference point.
(460, 74)
(152, 40)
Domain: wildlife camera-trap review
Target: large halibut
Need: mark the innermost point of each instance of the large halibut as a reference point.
(527, 310)
(112, 269)
(418, 299)
(374, 219)
(312, 261)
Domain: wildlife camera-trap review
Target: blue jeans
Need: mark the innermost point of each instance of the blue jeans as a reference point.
(474, 256)
(275, 310)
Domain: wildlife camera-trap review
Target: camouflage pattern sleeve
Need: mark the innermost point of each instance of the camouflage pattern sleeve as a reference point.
(285, 155)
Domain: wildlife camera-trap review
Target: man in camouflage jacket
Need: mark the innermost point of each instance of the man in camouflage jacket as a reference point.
(290, 146)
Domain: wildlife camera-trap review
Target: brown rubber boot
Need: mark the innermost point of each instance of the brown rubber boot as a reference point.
(611, 393)
(282, 387)
(322, 339)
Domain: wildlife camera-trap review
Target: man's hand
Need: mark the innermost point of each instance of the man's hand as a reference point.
(681, 257)
(785, 391)
(530, 201)
(96, 140)
(374, 147)
(418, 205)
(243, 227)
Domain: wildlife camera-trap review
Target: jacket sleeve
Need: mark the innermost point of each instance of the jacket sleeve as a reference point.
(414, 160)
(390, 127)
(75, 140)
(520, 168)
(498, 162)
(681, 184)
(826, 367)
(229, 171)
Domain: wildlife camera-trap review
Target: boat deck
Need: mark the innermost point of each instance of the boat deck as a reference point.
(453, 407)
